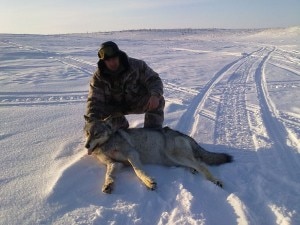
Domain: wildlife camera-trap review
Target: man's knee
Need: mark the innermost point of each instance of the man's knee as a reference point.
(155, 118)
(162, 102)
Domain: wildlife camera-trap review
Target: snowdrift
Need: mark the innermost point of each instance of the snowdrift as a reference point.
(234, 91)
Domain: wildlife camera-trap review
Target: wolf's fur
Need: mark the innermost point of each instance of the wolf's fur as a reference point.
(140, 146)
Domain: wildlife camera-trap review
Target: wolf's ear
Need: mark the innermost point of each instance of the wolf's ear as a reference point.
(109, 123)
(108, 119)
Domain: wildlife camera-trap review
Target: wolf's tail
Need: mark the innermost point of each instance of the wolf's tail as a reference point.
(210, 158)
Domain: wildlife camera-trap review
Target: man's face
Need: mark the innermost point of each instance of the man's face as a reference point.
(112, 63)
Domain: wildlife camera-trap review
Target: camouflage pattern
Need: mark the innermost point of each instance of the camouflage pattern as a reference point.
(124, 92)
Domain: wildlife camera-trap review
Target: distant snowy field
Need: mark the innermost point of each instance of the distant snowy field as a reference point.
(234, 91)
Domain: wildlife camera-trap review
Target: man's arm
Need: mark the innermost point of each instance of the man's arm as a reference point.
(154, 85)
(151, 80)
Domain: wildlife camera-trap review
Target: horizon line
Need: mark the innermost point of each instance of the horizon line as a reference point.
(152, 29)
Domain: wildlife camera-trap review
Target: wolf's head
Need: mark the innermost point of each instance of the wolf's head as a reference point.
(97, 132)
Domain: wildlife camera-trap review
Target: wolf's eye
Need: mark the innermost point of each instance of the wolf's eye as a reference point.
(97, 134)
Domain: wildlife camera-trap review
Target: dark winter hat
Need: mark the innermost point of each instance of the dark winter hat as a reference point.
(108, 50)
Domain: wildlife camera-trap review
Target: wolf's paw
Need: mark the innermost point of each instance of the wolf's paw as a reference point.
(108, 188)
(151, 184)
(193, 171)
(218, 183)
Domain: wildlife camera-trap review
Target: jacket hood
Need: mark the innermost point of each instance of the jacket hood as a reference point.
(123, 60)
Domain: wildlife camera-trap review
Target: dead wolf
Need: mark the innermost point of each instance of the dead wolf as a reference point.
(138, 146)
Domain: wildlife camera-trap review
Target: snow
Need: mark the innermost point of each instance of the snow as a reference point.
(234, 91)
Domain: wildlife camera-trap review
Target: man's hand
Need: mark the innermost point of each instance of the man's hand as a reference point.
(153, 103)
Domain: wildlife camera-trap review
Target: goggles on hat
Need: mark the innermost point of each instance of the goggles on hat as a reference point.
(107, 52)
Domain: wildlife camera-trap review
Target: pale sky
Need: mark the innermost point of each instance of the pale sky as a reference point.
(80, 16)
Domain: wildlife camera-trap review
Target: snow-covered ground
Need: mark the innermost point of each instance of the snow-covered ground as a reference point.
(234, 91)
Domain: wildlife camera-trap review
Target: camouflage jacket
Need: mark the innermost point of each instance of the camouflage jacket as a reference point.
(118, 93)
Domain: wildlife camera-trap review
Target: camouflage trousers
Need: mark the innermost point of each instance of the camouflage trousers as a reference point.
(153, 118)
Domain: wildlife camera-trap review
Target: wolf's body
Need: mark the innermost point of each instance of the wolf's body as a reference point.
(140, 146)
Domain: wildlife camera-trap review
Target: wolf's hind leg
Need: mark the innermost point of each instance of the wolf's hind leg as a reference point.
(201, 168)
(193, 163)
(111, 169)
(134, 160)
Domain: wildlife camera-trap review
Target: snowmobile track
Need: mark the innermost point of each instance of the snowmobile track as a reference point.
(272, 122)
(187, 120)
(88, 68)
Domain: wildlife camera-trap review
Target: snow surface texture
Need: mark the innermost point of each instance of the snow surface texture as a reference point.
(234, 91)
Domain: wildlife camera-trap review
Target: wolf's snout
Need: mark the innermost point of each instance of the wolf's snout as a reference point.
(88, 147)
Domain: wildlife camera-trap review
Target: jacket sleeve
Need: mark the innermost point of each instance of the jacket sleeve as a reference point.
(97, 107)
(151, 80)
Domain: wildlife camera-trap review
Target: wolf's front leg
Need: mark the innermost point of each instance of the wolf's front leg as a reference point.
(134, 160)
(111, 168)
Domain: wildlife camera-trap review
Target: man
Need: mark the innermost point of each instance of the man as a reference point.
(123, 85)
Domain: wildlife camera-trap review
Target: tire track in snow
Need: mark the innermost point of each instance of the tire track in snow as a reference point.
(272, 122)
(232, 123)
(30, 99)
(41, 98)
(293, 57)
(79, 64)
(87, 67)
(290, 120)
(76, 63)
(53, 98)
(168, 86)
(277, 161)
(293, 71)
(188, 120)
(233, 129)
(289, 62)
(235, 132)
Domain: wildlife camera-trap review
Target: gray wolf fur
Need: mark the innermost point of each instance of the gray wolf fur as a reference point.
(138, 146)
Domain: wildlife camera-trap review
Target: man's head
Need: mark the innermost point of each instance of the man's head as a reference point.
(109, 53)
